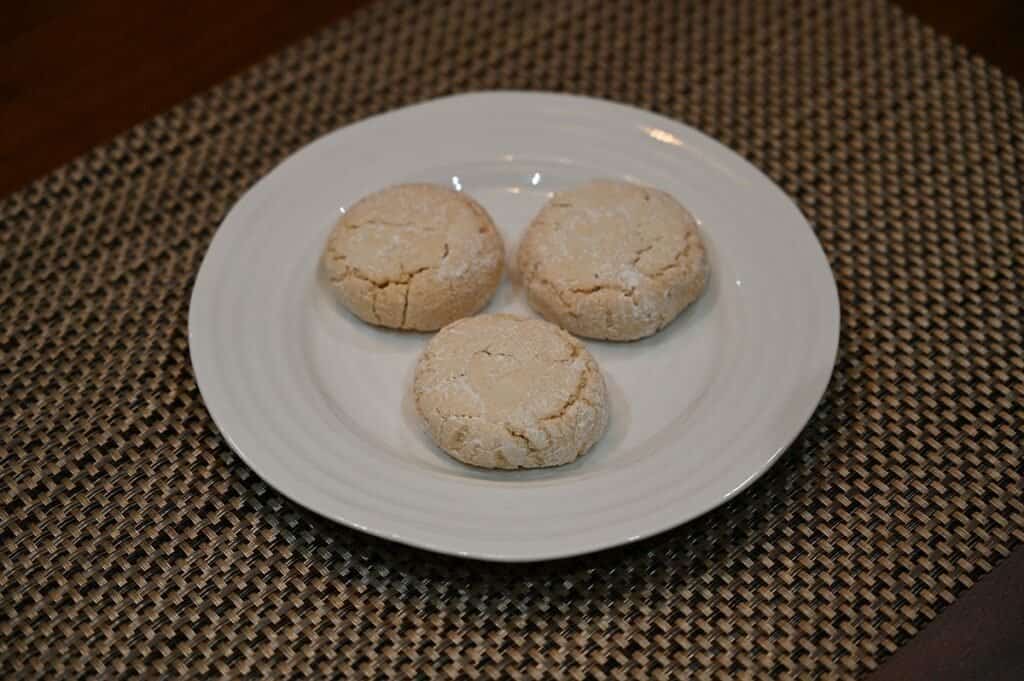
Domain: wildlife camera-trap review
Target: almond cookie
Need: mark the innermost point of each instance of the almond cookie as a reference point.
(612, 260)
(414, 256)
(500, 391)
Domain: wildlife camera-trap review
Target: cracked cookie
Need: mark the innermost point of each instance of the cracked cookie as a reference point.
(500, 391)
(612, 260)
(414, 256)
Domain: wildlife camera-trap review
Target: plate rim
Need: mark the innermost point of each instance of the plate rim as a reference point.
(829, 339)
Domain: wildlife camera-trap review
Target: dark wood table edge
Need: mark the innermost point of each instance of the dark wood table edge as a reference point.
(978, 636)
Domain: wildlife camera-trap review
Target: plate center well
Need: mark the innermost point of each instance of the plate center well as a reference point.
(365, 373)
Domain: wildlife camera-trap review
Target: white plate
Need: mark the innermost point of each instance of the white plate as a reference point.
(318, 404)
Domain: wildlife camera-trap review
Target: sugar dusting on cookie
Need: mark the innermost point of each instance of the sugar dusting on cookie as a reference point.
(612, 260)
(501, 391)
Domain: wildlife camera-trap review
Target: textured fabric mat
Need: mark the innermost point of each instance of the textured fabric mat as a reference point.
(134, 543)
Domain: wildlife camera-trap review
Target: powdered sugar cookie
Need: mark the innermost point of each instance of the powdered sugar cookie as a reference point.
(414, 256)
(500, 391)
(612, 260)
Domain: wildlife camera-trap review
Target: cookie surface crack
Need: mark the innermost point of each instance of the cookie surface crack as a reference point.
(491, 353)
(595, 288)
(676, 263)
(405, 306)
(403, 279)
(576, 396)
(574, 353)
(378, 223)
(561, 295)
(519, 437)
(640, 252)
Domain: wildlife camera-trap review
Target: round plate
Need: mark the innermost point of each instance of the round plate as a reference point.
(318, 403)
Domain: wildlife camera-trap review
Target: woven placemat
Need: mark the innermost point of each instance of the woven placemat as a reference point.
(136, 544)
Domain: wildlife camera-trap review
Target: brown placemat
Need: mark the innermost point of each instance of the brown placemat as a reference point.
(136, 544)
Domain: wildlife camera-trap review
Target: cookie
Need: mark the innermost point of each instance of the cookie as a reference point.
(414, 256)
(612, 260)
(500, 391)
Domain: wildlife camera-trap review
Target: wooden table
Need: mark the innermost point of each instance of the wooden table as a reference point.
(73, 74)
